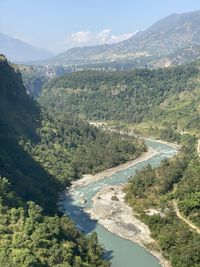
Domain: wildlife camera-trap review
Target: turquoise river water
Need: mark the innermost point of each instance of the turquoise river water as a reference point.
(121, 252)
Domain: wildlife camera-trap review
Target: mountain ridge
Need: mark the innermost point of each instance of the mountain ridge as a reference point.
(134, 95)
(166, 36)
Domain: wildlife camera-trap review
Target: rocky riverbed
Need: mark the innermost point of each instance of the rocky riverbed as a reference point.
(111, 211)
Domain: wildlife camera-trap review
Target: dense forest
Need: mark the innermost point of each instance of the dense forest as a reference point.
(169, 96)
(70, 147)
(40, 153)
(176, 180)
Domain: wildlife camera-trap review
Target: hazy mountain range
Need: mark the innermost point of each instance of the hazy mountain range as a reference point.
(173, 40)
(19, 51)
(167, 41)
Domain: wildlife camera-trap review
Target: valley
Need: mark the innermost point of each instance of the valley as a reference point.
(169, 99)
(99, 147)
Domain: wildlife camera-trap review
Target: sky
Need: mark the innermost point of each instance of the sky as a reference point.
(58, 25)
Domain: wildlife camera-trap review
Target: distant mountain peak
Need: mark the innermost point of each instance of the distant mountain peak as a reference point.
(19, 51)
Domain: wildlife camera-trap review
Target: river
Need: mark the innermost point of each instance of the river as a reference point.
(121, 252)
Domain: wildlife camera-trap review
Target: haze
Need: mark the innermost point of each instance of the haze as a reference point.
(60, 25)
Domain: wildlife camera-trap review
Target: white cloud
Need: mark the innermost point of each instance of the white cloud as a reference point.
(103, 36)
(80, 37)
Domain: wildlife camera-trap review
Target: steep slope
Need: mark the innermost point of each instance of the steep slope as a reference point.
(19, 51)
(165, 37)
(32, 235)
(19, 121)
(35, 76)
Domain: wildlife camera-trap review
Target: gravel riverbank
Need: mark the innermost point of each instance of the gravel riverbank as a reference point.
(89, 178)
(111, 211)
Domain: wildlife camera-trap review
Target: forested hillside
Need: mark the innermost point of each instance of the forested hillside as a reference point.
(170, 95)
(153, 192)
(40, 154)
